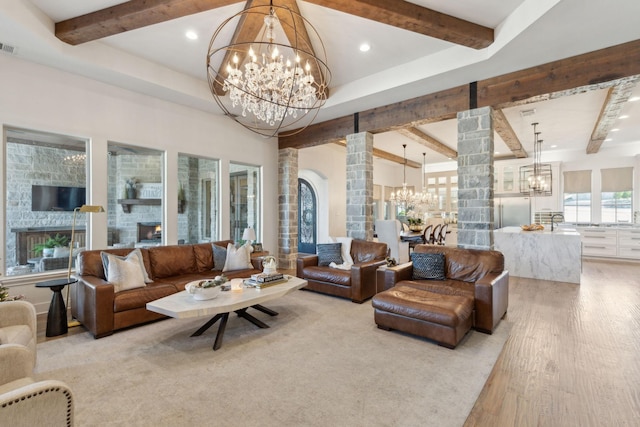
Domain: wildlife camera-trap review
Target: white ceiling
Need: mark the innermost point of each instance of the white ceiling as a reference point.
(159, 60)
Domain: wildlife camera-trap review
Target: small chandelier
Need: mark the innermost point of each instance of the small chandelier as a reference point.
(404, 197)
(275, 82)
(425, 199)
(536, 179)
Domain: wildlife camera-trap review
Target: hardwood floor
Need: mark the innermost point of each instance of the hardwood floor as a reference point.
(573, 355)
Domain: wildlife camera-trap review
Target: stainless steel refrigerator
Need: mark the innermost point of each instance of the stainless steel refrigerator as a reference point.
(511, 211)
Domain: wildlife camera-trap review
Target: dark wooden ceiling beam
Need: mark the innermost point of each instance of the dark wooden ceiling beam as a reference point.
(604, 65)
(129, 16)
(591, 68)
(381, 154)
(508, 135)
(617, 96)
(411, 17)
(428, 141)
(430, 108)
(141, 13)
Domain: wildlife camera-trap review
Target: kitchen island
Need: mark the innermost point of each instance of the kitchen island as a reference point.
(548, 255)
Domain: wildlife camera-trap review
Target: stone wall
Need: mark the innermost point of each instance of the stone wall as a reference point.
(475, 178)
(27, 165)
(287, 208)
(360, 186)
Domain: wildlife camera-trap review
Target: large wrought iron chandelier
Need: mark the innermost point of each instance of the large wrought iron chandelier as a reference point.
(536, 179)
(404, 197)
(270, 80)
(425, 199)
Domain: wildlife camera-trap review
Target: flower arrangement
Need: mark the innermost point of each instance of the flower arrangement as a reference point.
(414, 218)
(4, 295)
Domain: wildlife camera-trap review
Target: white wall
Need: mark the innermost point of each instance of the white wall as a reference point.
(46, 99)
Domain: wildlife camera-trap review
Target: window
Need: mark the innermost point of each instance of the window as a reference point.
(245, 197)
(45, 177)
(198, 186)
(135, 194)
(617, 188)
(577, 196)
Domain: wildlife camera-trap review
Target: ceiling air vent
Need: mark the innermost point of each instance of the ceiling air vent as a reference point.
(527, 113)
(11, 50)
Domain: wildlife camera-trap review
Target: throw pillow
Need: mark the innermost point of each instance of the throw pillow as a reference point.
(125, 274)
(328, 253)
(237, 259)
(428, 266)
(219, 257)
(345, 251)
(134, 254)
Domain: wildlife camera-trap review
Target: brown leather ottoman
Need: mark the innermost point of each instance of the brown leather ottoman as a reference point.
(442, 318)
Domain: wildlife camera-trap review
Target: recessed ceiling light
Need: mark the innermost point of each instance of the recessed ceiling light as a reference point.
(554, 146)
(191, 35)
(608, 140)
(364, 47)
(615, 130)
(624, 117)
(634, 99)
(496, 152)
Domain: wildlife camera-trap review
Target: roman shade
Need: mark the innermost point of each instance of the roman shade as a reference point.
(617, 179)
(577, 181)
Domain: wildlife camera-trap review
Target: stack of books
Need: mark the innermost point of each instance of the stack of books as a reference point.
(263, 280)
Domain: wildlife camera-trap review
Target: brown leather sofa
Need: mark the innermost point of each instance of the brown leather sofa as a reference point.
(358, 284)
(102, 311)
(476, 274)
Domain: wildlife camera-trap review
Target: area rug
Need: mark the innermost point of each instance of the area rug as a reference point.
(323, 362)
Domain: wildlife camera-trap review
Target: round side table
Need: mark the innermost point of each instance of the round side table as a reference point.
(57, 315)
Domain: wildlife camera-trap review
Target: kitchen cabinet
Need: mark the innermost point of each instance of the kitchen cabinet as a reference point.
(611, 242)
(629, 244)
(599, 242)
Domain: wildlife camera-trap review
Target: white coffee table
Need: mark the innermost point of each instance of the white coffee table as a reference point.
(181, 305)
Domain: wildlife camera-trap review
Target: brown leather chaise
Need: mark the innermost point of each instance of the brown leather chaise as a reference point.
(357, 284)
(437, 309)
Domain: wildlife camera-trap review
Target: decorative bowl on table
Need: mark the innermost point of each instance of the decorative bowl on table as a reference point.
(206, 289)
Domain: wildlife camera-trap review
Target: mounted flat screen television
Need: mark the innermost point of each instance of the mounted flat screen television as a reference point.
(55, 198)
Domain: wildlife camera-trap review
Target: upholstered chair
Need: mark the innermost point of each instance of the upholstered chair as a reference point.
(18, 326)
(388, 232)
(26, 402)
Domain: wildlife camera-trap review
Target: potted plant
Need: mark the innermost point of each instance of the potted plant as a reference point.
(4, 295)
(46, 249)
(130, 188)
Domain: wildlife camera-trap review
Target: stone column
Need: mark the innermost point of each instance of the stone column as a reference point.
(287, 208)
(360, 186)
(475, 178)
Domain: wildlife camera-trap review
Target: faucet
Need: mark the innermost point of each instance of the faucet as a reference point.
(553, 217)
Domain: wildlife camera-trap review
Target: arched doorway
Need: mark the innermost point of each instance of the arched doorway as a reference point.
(307, 214)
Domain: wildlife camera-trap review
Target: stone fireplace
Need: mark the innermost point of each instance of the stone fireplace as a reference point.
(149, 232)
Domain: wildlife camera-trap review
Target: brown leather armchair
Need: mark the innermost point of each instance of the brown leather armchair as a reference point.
(479, 274)
(358, 283)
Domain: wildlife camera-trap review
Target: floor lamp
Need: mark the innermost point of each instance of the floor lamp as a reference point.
(82, 209)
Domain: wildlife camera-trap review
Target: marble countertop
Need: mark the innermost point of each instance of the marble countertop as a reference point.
(546, 231)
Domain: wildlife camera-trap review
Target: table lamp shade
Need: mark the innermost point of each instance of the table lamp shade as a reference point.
(249, 234)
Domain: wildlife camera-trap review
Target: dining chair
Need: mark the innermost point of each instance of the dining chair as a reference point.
(435, 235)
